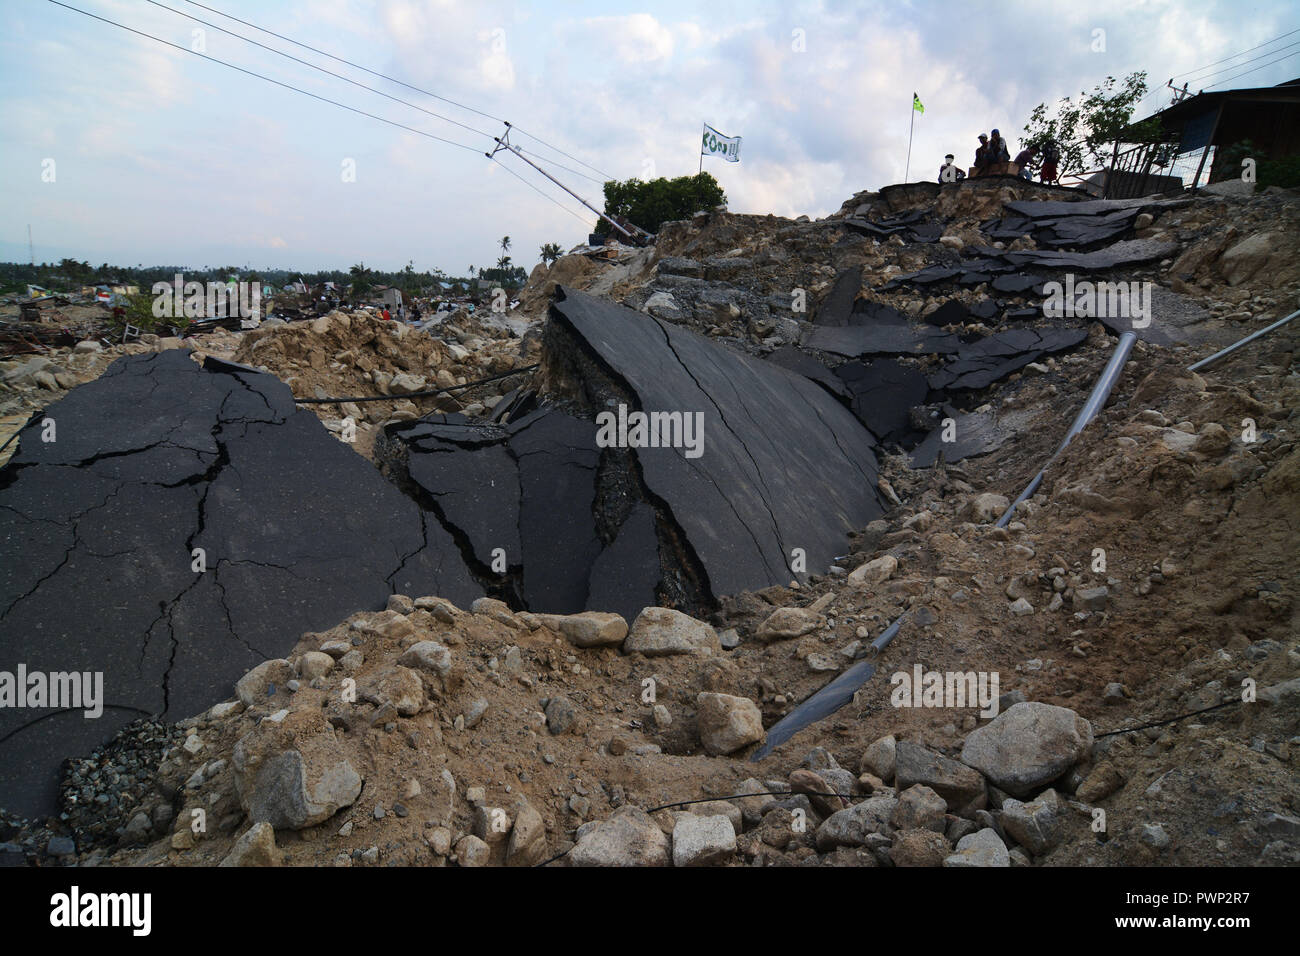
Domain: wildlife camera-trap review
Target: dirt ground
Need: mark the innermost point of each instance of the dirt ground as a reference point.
(1186, 485)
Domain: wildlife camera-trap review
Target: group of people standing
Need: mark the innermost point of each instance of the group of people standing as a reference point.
(993, 151)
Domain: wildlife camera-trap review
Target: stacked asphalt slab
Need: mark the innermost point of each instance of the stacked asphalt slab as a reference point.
(151, 462)
(644, 525)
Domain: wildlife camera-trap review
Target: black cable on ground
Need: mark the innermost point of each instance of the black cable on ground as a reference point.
(425, 394)
(1161, 723)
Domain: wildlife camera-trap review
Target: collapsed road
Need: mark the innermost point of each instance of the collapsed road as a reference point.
(209, 523)
(184, 524)
(783, 474)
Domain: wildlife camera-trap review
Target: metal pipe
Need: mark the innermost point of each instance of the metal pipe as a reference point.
(1094, 404)
(503, 144)
(829, 699)
(1236, 345)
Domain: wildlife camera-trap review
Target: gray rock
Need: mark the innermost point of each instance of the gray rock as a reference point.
(959, 785)
(879, 758)
(702, 840)
(293, 774)
(1091, 599)
(560, 714)
(984, 848)
(630, 837)
(1028, 746)
(727, 723)
(660, 631)
(527, 846)
(252, 688)
(920, 808)
(137, 829)
(1039, 825)
(255, 848)
(1153, 835)
(852, 826)
(427, 656)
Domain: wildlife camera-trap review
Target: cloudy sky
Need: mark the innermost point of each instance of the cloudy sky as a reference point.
(158, 156)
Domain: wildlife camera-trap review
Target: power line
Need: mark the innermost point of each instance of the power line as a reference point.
(322, 69)
(1229, 69)
(204, 56)
(1234, 56)
(391, 79)
(539, 192)
(551, 162)
(363, 86)
(1258, 68)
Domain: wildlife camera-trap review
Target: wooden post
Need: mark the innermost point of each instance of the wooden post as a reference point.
(1208, 143)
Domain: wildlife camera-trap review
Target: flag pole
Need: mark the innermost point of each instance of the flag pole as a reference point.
(910, 126)
(703, 127)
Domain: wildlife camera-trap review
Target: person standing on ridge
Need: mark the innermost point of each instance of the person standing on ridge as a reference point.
(982, 155)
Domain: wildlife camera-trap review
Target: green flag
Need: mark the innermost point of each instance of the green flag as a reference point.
(916, 104)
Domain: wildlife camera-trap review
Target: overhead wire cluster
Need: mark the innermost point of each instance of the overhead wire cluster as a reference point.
(465, 126)
(1199, 75)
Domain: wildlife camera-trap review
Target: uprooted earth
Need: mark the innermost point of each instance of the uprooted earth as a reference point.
(355, 593)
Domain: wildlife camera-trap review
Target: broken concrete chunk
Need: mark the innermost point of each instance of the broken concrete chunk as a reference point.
(630, 837)
(702, 840)
(589, 628)
(727, 723)
(1027, 746)
(254, 686)
(292, 774)
(660, 631)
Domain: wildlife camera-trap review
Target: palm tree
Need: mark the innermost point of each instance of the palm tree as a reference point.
(361, 277)
(505, 244)
(550, 252)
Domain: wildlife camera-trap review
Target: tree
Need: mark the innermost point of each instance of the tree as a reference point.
(649, 205)
(550, 252)
(1084, 128)
(504, 244)
(362, 279)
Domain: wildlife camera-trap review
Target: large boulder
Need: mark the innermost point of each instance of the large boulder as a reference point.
(982, 848)
(727, 723)
(703, 840)
(1039, 825)
(630, 837)
(660, 631)
(1248, 257)
(1028, 746)
(292, 773)
(958, 784)
(587, 629)
(852, 826)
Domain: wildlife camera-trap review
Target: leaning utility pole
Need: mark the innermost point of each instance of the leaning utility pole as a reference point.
(503, 142)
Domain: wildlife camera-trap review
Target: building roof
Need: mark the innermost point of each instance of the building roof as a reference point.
(1173, 118)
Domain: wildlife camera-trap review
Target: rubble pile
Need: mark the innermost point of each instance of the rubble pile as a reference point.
(568, 716)
(344, 355)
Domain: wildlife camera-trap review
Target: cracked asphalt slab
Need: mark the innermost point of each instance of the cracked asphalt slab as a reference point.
(154, 459)
(770, 437)
(596, 528)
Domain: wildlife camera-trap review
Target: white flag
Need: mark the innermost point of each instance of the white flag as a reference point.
(715, 144)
